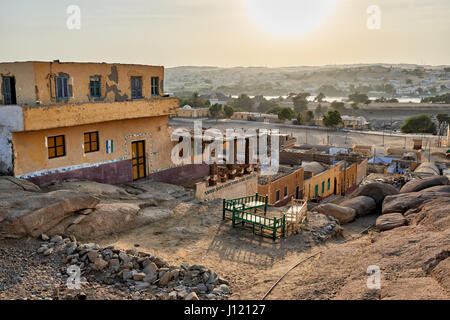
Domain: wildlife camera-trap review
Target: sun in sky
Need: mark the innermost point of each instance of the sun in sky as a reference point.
(289, 17)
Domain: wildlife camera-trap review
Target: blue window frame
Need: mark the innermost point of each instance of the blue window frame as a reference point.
(136, 87)
(62, 87)
(155, 86)
(323, 187)
(95, 87)
(329, 184)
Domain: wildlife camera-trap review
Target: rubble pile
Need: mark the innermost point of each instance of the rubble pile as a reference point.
(131, 271)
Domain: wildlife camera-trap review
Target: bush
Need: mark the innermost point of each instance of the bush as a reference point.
(421, 123)
(228, 111)
(286, 114)
(332, 119)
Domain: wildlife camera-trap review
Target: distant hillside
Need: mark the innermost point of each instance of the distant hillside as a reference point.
(379, 79)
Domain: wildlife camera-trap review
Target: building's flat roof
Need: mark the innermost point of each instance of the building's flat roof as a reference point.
(81, 62)
(283, 171)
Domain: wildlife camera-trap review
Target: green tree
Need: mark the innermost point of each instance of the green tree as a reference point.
(338, 105)
(359, 97)
(265, 105)
(286, 114)
(228, 111)
(355, 106)
(243, 102)
(332, 119)
(274, 110)
(421, 123)
(300, 102)
(309, 116)
(319, 97)
(215, 111)
(195, 101)
(318, 110)
(444, 98)
(299, 118)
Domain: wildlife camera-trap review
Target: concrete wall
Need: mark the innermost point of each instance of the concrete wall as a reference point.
(11, 119)
(296, 158)
(239, 187)
(348, 178)
(361, 171)
(31, 153)
(57, 116)
(291, 181)
(35, 81)
(115, 80)
(193, 113)
(333, 173)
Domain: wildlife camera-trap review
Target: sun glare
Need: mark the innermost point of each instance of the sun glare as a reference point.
(289, 17)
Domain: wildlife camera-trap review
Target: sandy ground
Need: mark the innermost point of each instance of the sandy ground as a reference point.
(250, 263)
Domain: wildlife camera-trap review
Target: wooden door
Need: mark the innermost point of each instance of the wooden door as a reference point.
(139, 161)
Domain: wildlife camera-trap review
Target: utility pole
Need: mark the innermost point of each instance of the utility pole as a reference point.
(429, 150)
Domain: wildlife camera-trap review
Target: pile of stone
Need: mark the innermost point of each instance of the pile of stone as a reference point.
(134, 271)
(322, 227)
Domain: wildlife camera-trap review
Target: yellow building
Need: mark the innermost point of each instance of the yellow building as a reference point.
(320, 181)
(97, 121)
(283, 186)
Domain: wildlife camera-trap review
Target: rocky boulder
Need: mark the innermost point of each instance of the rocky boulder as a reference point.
(420, 184)
(433, 215)
(32, 214)
(362, 205)
(390, 221)
(322, 227)
(8, 183)
(376, 190)
(105, 219)
(93, 188)
(342, 214)
(401, 203)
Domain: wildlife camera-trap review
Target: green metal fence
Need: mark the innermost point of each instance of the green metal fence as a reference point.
(260, 225)
(244, 204)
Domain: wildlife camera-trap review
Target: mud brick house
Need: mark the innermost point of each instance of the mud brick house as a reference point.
(281, 187)
(97, 121)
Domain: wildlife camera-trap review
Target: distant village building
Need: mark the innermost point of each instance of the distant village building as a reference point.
(96, 121)
(188, 112)
(356, 123)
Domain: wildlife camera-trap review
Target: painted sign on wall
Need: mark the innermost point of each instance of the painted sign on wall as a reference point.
(109, 146)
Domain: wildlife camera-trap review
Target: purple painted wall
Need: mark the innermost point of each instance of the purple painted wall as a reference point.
(121, 172)
(181, 175)
(111, 173)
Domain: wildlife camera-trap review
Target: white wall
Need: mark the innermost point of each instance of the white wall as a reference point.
(11, 120)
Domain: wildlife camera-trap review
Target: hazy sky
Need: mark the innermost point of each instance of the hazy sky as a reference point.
(227, 32)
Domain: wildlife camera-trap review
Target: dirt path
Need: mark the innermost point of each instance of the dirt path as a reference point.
(196, 234)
